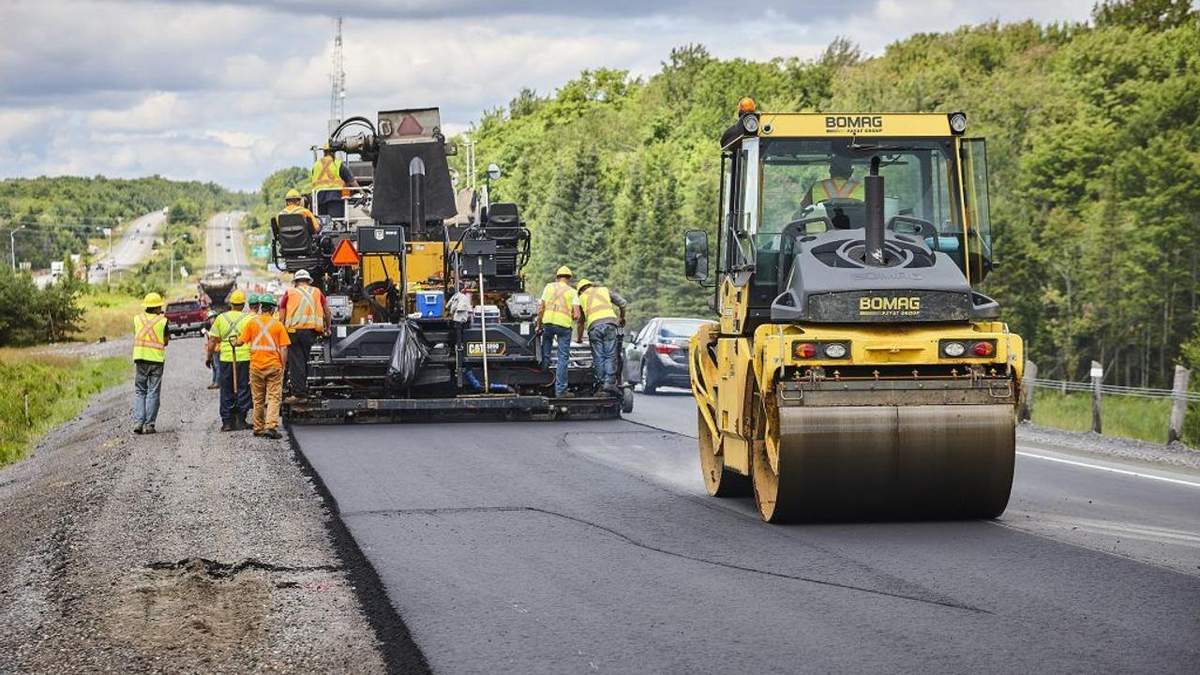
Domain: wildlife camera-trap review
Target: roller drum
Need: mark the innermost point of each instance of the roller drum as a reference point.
(927, 461)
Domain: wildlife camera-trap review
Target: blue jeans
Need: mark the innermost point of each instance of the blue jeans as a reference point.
(234, 407)
(605, 342)
(147, 384)
(563, 337)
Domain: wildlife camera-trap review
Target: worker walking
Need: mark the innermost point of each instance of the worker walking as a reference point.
(330, 177)
(268, 341)
(558, 310)
(150, 339)
(305, 312)
(599, 308)
(293, 203)
(231, 363)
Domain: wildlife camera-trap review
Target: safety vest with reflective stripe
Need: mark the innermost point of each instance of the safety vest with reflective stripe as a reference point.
(262, 341)
(327, 173)
(597, 304)
(558, 298)
(303, 303)
(850, 188)
(230, 324)
(296, 208)
(149, 338)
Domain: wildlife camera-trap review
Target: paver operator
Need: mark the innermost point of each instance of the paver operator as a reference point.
(330, 176)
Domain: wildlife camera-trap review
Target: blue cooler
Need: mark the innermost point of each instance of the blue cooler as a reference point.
(431, 304)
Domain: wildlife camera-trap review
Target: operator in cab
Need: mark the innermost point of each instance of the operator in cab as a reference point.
(840, 185)
(330, 177)
(292, 204)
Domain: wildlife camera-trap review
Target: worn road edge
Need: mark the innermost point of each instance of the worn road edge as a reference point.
(400, 652)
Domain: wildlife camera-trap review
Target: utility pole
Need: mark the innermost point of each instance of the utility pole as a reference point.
(12, 245)
(337, 80)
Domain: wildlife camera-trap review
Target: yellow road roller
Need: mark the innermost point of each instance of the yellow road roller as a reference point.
(856, 371)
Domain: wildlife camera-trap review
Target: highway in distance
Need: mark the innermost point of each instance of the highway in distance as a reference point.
(591, 547)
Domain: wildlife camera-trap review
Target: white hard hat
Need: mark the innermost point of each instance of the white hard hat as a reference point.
(302, 275)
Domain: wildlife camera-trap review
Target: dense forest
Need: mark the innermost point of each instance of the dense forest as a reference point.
(61, 214)
(1094, 152)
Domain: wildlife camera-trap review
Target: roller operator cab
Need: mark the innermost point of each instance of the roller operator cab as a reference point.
(856, 370)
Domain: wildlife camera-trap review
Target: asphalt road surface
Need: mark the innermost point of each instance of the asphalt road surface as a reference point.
(223, 243)
(135, 244)
(591, 546)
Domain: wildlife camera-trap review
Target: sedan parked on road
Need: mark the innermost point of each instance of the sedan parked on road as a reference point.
(658, 355)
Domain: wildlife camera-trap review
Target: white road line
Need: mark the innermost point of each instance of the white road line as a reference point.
(1110, 469)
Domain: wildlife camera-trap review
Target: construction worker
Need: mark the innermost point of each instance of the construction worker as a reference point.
(599, 308)
(232, 363)
(839, 185)
(331, 177)
(558, 310)
(305, 312)
(292, 203)
(268, 341)
(150, 337)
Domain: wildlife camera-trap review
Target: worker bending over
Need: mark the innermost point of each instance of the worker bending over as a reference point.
(305, 312)
(558, 310)
(232, 363)
(268, 341)
(599, 307)
(150, 337)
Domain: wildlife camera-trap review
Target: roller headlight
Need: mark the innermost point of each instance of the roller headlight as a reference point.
(954, 349)
(835, 350)
(958, 122)
(750, 124)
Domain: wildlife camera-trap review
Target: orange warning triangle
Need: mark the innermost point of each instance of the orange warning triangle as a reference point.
(345, 255)
(410, 127)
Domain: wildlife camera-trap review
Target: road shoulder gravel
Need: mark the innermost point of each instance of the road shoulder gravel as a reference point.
(1175, 455)
(186, 551)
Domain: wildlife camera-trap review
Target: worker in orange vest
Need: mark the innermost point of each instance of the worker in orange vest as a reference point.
(305, 312)
(268, 341)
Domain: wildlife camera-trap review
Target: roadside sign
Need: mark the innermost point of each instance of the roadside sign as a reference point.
(1097, 371)
(260, 251)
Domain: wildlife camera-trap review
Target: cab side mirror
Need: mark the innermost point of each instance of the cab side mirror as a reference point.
(695, 255)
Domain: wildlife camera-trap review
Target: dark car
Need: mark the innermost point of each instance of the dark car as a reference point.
(658, 355)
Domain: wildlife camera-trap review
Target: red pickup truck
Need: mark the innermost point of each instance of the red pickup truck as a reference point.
(187, 315)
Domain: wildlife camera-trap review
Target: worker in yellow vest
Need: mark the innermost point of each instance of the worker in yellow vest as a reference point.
(293, 203)
(558, 310)
(599, 309)
(305, 312)
(232, 363)
(150, 337)
(330, 177)
(840, 185)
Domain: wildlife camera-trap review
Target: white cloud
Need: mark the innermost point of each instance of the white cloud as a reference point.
(231, 90)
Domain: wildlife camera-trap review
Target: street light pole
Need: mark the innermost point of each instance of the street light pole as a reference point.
(12, 245)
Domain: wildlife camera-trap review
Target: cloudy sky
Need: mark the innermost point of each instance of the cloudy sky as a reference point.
(231, 90)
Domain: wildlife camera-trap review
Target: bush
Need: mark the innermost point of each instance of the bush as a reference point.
(29, 315)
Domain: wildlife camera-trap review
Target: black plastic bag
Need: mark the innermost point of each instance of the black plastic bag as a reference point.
(408, 356)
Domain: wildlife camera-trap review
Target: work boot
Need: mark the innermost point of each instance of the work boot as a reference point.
(148, 429)
(566, 394)
(228, 426)
(214, 385)
(259, 433)
(137, 429)
(292, 400)
(272, 433)
(244, 424)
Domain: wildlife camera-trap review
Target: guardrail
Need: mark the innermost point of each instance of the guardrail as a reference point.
(1178, 394)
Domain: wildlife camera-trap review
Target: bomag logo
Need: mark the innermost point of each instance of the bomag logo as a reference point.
(862, 124)
(897, 306)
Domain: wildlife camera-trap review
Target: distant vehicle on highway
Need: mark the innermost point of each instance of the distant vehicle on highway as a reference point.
(658, 355)
(187, 315)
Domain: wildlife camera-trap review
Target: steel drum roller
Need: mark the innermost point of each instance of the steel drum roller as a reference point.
(947, 461)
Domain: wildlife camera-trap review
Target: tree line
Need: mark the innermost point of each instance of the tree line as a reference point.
(1094, 156)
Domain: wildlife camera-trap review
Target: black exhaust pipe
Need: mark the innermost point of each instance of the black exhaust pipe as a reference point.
(416, 184)
(873, 188)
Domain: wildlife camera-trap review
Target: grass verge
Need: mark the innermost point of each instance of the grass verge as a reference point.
(107, 315)
(54, 387)
(1126, 416)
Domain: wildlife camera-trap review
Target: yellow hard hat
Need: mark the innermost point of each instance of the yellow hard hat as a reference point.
(152, 300)
(237, 297)
(292, 194)
(584, 283)
(563, 271)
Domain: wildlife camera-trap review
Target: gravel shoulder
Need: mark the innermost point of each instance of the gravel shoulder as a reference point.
(1175, 455)
(187, 551)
